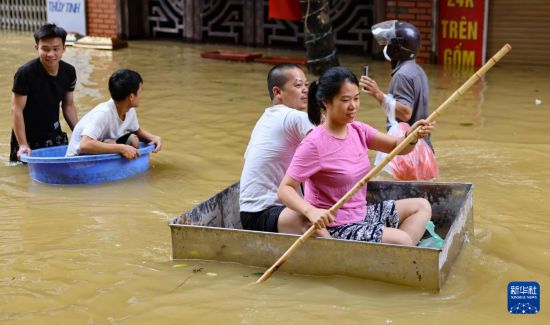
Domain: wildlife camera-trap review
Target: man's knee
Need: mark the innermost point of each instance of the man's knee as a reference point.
(292, 222)
(133, 141)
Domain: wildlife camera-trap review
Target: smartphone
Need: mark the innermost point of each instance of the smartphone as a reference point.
(366, 72)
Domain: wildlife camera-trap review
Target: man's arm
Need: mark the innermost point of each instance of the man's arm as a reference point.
(18, 103)
(69, 110)
(151, 138)
(93, 146)
(403, 112)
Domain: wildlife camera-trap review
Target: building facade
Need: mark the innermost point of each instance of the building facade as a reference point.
(246, 22)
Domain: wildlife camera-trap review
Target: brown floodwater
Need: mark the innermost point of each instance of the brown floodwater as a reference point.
(101, 254)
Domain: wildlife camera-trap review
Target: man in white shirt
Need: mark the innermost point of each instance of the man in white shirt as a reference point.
(272, 144)
(112, 126)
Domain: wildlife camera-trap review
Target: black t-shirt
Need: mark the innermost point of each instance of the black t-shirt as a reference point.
(44, 94)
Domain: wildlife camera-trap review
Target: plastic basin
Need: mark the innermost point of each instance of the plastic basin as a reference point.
(49, 165)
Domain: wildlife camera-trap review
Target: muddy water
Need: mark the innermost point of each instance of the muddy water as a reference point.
(101, 254)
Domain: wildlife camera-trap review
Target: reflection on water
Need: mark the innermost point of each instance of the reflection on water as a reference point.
(102, 253)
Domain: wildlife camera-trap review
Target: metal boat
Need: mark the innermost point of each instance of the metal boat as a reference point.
(212, 231)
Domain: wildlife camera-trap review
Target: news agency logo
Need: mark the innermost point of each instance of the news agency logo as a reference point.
(523, 297)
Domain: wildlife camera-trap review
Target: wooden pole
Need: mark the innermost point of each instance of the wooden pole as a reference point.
(459, 92)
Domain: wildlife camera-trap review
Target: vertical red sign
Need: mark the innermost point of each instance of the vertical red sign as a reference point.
(461, 36)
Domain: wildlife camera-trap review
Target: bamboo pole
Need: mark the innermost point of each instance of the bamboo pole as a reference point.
(412, 135)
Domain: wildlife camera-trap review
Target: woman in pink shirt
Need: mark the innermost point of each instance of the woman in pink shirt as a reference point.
(334, 157)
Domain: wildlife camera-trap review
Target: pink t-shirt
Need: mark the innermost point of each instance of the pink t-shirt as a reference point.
(330, 167)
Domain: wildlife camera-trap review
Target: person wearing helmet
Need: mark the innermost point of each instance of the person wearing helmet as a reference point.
(408, 92)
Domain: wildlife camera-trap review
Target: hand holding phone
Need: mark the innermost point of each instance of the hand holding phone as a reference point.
(366, 72)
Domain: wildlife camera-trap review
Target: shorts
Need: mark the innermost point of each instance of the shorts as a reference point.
(265, 220)
(125, 139)
(379, 216)
(56, 138)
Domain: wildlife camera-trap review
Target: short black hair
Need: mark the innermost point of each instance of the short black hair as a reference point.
(124, 82)
(50, 31)
(277, 77)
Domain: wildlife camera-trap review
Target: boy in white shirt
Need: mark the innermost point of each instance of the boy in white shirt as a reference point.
(112, 126)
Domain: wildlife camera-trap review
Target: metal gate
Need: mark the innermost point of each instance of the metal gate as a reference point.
(25, 15)
(523, 24)
(246, 22)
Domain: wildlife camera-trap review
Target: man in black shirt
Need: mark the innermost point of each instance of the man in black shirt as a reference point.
(38, 88)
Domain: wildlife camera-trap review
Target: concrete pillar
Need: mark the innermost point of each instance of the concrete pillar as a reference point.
(103, 18)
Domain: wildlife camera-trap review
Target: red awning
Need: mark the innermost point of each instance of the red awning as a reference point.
(285, 9)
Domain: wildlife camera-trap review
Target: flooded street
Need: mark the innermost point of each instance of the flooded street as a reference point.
(101, 253)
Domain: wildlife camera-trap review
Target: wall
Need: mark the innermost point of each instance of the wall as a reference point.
(418, 13)
(102, 18)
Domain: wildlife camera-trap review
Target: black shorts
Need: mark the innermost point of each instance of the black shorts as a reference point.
(265, 220)
(124, 139)
(56, 138)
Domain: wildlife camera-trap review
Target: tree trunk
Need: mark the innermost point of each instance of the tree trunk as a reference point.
(321, 52)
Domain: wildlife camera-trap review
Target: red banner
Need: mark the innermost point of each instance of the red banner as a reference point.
(461, 37)
(285, 9)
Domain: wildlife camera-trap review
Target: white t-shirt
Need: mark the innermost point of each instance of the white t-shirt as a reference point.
(102, 123)
(272, 144)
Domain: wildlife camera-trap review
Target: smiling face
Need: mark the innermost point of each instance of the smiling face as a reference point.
(294, 92)
(344, 106)
(50, 51)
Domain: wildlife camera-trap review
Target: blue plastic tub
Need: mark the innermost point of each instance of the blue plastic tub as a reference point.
(49, 165)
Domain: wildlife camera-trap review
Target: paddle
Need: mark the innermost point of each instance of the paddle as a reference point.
(412, 135)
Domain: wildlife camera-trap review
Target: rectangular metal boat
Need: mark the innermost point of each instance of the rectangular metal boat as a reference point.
(212, 231)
